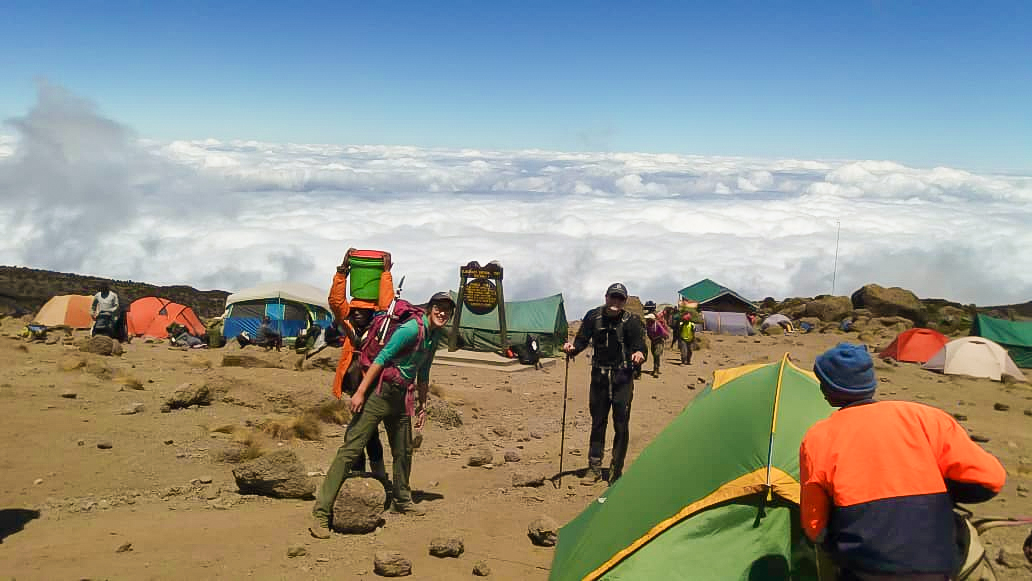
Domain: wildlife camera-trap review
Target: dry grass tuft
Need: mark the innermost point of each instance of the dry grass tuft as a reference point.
(71, 363)
(226, 429)
(334, 411)
(304, 427)
(246, 446)
(200, 362)
(127, 380)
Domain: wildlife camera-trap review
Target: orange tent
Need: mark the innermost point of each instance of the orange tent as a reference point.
(916, 345)
(71, 310)
(150, 315)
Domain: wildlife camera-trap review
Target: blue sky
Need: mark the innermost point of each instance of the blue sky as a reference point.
(924, 83)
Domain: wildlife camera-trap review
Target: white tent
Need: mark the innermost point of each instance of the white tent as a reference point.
(976, 357)
(775, 319)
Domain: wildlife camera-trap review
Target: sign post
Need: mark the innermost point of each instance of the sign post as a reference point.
(480, 291)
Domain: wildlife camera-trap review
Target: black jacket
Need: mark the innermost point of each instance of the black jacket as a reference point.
(605, 333)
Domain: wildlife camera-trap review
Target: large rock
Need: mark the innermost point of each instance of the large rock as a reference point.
(358, 506)
(279, 475)
(480, 457)
(543, 531)
(391, 564)
(525, 479)
(792, 308)
(890, 302)
(101, 345)
(443, 413)
(829, 308)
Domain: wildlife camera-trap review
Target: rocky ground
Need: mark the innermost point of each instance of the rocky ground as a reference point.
(104, 476)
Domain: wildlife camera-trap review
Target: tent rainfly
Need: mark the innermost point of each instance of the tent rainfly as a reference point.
(1014, 336)
(71, 310)
(149, 316)
(682, 512)
(916, 345)
(545, 318)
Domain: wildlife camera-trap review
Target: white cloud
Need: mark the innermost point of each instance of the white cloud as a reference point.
(226, 215)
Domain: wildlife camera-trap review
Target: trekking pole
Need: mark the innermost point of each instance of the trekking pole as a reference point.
(382, 337)
(562, 433)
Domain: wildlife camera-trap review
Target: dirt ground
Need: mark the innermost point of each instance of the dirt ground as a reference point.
(151, 487)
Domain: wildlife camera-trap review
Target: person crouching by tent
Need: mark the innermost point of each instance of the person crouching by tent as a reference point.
(269, 337)
(617, 339)
(407, 357)
(879, 478)
(686, 338)
(657, 334)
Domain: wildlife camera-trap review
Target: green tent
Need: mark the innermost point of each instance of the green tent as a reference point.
(714, 496)
(544, 318)
(1014, 336)
(712, 296)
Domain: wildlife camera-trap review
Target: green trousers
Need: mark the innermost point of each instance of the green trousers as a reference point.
(389, 408)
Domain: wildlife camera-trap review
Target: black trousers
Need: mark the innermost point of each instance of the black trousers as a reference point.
(611, 389)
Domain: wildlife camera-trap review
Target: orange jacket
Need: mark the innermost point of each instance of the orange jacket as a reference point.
(341, 308)
(885, 476)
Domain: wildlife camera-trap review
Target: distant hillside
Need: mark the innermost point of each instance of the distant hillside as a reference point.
(25, 290)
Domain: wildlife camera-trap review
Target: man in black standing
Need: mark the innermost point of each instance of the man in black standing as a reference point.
(616, 337)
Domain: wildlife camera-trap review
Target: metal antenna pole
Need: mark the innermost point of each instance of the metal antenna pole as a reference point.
(834, 269)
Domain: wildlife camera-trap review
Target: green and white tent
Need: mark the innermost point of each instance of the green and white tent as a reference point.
(1014, 336)
(545, 318)
(714, 496)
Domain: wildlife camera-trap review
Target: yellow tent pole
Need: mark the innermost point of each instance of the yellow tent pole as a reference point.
(774, 426)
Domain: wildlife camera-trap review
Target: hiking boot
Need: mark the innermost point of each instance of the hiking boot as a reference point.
(320, 528)
(614, 475)
(408, 508)
(592, 476)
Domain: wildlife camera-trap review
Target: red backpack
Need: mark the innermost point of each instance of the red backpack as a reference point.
(381, 329)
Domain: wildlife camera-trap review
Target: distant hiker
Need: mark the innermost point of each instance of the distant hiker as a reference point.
(269, 337)
(352, 319)
(879, 478)
(686, 338)
(657, 334)
(616, 338)
(105, 311)
(405, 363)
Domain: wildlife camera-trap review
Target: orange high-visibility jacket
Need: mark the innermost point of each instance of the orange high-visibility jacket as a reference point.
(341, 308)
(878, 484)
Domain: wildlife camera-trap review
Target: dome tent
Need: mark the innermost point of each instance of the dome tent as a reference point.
(976, 357)
(71, 310)
(916, 345)
(149, 316)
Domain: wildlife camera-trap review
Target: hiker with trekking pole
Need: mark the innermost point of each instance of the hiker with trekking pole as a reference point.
(616, 337)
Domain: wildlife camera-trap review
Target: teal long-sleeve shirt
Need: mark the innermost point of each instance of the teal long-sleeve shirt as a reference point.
(416, 364)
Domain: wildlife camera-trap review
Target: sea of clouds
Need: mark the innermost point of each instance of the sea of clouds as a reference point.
(83, 193)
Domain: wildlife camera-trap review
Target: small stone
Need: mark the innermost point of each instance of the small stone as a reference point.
(38, 481)
(169, 442)
(133, 409)
(322, 560)
(522, 479)
(69, 394)
(538, 435)
(124, 548)
(446, 547)
(480, 569)
(979, 438)
(80, 442)
(512, 456)
(502, 432)
(480, 457)
(166, 408)
(104, 445)
(960, 417)
(205, 479)
(1001, 407)
(543, 531)
(296, 550)
(1022, 488)
(1028, 412)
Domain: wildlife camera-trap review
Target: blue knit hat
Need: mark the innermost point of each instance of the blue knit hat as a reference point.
(846, 373)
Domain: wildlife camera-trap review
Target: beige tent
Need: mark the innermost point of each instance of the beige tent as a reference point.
(974, 356)
(71, 310)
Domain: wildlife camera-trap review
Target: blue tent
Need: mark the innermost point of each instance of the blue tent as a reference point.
(291, 306)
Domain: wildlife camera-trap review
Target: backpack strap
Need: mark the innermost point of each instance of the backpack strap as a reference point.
(618, 329)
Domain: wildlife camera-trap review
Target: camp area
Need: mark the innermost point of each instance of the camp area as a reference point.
(291, 307)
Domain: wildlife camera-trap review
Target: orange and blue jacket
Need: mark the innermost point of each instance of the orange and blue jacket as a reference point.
(879, 480)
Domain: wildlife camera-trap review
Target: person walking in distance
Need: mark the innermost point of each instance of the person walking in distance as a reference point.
(686, 338)
(657, 334)
(616, 338)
